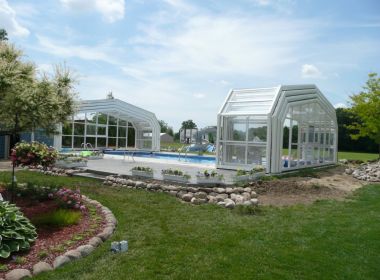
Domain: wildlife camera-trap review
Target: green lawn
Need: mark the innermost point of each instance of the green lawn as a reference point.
(348, 155)
(172, 240)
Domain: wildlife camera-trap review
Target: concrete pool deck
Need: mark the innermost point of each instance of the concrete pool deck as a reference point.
(117, 165)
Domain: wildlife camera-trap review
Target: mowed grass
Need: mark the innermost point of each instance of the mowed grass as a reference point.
(173, 240)
(348, 155)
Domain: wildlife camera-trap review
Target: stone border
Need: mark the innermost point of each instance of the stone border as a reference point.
(227, 197)
(54, 171)
(73, 254)
(366, 172)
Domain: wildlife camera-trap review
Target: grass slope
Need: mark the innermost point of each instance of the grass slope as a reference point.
(172, 240)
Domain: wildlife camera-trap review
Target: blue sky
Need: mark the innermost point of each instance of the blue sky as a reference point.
(179, 58)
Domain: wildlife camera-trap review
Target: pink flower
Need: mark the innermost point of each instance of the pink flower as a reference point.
(50, 195)
(83, 208)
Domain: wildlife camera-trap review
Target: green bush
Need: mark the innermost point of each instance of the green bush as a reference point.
(58, 218)
(143, 168)
(33, 153)
(16, 231)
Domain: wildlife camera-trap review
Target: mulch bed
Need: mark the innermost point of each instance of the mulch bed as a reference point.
(53, 241)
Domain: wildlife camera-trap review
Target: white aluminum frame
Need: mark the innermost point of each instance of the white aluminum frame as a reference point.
(273, 104)
(142, 121)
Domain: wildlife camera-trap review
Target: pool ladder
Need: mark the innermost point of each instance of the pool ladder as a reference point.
(87, 146)
(129, 155)
(179, 152)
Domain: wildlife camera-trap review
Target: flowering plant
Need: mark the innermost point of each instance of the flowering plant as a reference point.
(33, 153)
(68, 198)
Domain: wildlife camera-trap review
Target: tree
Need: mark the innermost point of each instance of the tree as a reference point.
(28, 102)
(189, 124)
(3, 35)
(165, 128)
(345, 118)
(366, 105)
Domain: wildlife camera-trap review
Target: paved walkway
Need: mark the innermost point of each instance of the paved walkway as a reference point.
(5, 165)
(116, 164)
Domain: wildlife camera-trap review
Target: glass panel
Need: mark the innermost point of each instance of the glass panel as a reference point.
(102, 130)
(235, 154)
(295, 132)
(78, 129)
(91, 130)
(147, 144)
(131, 137)
(122, 122)
(78, 141)
(79, 118)
(67, 141)
(257, 132)
(256, 155)
(102, 118)
(122, 132)
(91, 140)
(112, 142)
(91, 118)
(112, 120)
(101, 142)
(237, 128)
(122, 142)
(112, 131)
(67, 128)
(130, 124)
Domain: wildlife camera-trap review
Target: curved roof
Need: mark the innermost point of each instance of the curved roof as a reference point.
(264, 101)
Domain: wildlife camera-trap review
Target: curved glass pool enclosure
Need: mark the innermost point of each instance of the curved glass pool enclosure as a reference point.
(281, 128)
(110, 123)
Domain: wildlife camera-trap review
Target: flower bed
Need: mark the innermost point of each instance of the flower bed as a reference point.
(209, 178)
(175, 175)
(141, 171)
(248, 175)
(56, 246)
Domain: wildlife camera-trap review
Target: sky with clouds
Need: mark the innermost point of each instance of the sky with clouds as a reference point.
(179, 58)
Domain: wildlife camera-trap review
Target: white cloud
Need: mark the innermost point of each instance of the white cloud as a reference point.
(9, 22)
(340, 105)
(63, 49)
(310, 71)
(111, 10)
(199, 95)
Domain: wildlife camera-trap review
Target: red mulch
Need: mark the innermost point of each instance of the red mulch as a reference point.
(49, 237)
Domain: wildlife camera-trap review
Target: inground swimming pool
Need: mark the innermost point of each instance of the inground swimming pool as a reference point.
(190, 158)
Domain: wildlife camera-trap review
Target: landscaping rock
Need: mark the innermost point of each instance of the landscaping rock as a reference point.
(73, 254)
(95, 241)
(246, 196)
(201, 195)
(253, 194)
(61, 260)
(368, 172)
(17, 274)
(212, 199)
(221, 197)
(247, 189)
(229, 203)
(254, 201)
(229, 190)
(187, 197)
(198, 201)
(41, 267)
(85, 250)
(106, 233)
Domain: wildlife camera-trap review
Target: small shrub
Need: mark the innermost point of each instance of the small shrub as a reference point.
(58, 218)
(175, 172)
(71, 199)
(16, 231)
(42, 254)
(34, 154)
(143, 168)
(20, 260)
(3, 268)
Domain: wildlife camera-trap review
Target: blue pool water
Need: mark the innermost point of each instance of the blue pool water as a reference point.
(165, 156)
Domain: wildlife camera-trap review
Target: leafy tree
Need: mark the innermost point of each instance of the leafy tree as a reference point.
(189, 124)
(345, 118)
(165, 128)
(366, 105)
(3, 35)
(28, 102)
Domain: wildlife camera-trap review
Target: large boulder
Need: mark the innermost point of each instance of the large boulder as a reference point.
(187, 197)
(41, 267)
(17, 274)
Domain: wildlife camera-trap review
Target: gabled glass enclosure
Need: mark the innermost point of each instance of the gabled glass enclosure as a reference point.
(280, 128)
(112, 124)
